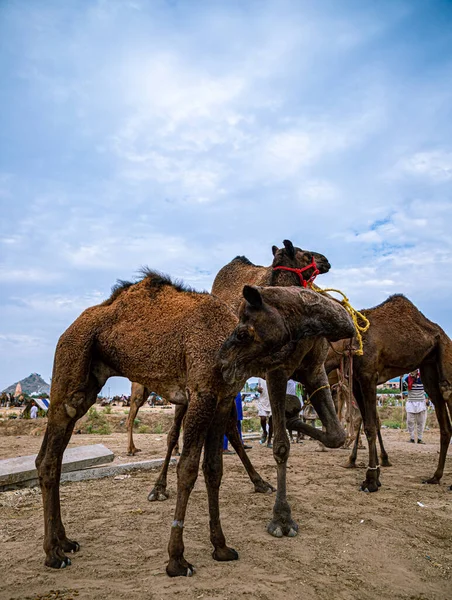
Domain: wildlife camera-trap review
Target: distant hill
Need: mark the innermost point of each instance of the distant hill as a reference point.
(33, 384)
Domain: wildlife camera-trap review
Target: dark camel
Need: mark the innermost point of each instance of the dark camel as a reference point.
(399, 340)
(185, 330)
(309, 371)
(308, 323)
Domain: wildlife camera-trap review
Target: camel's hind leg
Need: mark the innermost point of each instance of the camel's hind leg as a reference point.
(158, 492)
(384, 457)
(365, 394)
(65, 409)
(213, 472)
(138, 397)
(233, 436)
(429, 375)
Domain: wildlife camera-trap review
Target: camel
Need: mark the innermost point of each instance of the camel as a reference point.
(291, 265)
(139, 395)
(168, 337)
(399, 340)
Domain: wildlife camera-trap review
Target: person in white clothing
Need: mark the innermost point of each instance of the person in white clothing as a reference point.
(33, 411)
(264, 411)
(416, 407)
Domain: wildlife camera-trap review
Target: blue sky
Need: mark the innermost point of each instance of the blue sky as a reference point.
(180, 134)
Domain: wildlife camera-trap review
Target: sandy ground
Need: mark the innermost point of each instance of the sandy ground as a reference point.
(350, 545)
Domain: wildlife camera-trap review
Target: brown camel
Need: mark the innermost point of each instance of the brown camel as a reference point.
(290, 264)
(399, 340)
(138, 396)
(167, 337)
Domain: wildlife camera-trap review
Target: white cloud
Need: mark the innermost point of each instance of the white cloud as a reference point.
(435, 165)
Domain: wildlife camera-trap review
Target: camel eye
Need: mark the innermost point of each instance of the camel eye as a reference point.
(244, 335)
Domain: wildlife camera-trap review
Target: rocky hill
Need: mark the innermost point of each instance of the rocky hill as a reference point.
(33, 384)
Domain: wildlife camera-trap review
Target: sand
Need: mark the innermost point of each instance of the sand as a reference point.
(350, 545)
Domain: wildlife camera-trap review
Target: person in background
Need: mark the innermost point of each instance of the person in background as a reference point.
(33, 411)
(264, 412)
(416, 406)
(238, 406)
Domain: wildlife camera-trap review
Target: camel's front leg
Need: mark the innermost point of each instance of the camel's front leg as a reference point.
(282, 522)
(198, 418)
(213, 472)
(137, 399)
(440, 401)
(158, 492)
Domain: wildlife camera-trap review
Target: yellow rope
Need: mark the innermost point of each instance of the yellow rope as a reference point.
(355, 315)
(322, 387)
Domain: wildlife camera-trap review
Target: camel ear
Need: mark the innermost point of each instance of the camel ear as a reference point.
(274, 250)
(289, 247)
(252, 295)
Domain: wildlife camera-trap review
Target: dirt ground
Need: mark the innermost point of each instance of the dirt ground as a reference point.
(350, 545)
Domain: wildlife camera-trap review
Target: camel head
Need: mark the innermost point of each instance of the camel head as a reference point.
(272, 322)
(296, 258)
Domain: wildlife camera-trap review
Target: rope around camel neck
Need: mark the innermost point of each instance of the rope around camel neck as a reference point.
(355, 315)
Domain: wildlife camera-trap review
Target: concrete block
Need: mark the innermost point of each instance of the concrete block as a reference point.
(17, 471)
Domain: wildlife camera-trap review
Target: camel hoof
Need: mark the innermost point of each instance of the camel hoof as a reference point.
(370, 486)
(225, 554)
(158, 495)
(263, 487)
(280, 528)
(180, 569)
(58, 560)
(276, 532)
(432, 480)
(70, 546)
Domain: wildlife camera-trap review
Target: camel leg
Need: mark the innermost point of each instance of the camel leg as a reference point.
(332, 434)
(200, 413)
(282, 523)
(63, 413)
(365, 395)
(213, 472)
(384, 458)
(351, 463)
(137, 399)
(429, 375)
(159, 492)
(233, 436)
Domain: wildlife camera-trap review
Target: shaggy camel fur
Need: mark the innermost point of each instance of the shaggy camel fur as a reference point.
(228, 285)
(400, 339)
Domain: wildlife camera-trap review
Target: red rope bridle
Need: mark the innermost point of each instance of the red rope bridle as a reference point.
(304, 282)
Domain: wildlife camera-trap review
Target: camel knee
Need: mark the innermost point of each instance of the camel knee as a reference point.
(338, 439)
(281, 451)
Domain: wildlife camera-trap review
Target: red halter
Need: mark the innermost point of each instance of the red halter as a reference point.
(299, 272)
